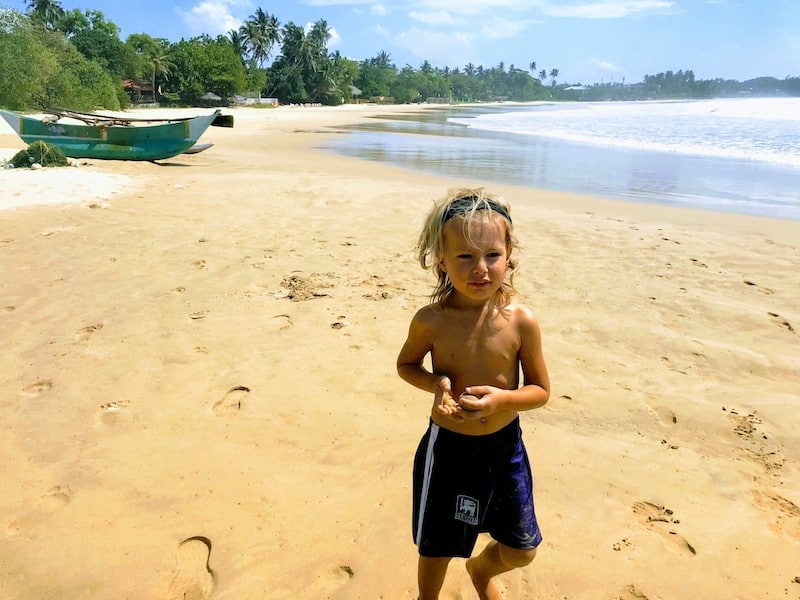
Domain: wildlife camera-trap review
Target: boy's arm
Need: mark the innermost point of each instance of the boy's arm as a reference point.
(417, 345)
(410, 368)
(535, 389)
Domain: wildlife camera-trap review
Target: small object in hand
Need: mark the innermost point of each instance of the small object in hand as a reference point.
(471, 397)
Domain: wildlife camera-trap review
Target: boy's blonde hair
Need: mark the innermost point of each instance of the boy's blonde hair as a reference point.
(468, 205)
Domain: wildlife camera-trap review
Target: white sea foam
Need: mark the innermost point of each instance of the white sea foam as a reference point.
(736, 155)
(760, 129)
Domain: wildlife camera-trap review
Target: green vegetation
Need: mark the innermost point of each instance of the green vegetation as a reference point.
(683, 84)
(72, 59)
(39, 67)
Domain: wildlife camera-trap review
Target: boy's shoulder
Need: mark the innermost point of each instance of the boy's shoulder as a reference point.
(524, 322)
(518, 310)
(521, 316)
(430, 313)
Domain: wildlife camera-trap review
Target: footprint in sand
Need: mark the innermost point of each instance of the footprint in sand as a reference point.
(631, 592)
(280, 322)
(763, 290)
(84, 333)
(781, 321)
(53, 499)
(665, 415)
(786, 514)
(194, 579)
(330, 580)
(49, 232)
(623, 544)
(37, 389)
(661, 520)
(231, 402)
(699, 263)
(56, 497)
(110, 411)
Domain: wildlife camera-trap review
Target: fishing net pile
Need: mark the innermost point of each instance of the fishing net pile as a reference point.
(39, 153)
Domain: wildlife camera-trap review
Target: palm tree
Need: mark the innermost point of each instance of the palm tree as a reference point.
(325, 81)
(319, 36)
(296, 50)
(46, 12)
(260, 33)
(553, 75)
(269, 27)
(469, 69)
(383, 60)
(163, 66)
(532, 67)
(237, 41)
(543, 74)
(253, 41)
(307, 52)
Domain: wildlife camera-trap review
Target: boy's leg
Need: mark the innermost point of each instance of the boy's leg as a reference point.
(430, 576)
(495, 559)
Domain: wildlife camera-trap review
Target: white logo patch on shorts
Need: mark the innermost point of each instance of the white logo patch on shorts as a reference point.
(467, 510)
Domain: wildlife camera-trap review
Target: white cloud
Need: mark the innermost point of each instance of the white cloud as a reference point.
(606, 66)
(608, 9)
(471, 7)
(211, 16)
(380, 30)
(335, 40)
(337, 2)
(449, 48)
(502, 28)
(378, 9)
(440, 17)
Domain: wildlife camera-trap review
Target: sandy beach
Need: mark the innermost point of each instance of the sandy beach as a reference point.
(200, 398)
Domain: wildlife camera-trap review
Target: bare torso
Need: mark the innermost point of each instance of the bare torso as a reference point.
(476, 349)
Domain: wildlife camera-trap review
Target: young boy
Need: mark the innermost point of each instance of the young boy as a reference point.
(471, 470)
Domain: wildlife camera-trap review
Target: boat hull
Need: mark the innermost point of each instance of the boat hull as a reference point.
(113, 142)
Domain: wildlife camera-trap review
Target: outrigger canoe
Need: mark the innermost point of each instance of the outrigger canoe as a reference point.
(115, 138)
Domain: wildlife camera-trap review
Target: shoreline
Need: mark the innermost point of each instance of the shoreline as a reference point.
(208, 354)
(105, 178)
(720, 183)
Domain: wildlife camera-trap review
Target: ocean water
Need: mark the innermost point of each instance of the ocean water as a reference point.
(734, 155)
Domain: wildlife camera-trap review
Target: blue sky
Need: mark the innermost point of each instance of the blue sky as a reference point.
(588, 41)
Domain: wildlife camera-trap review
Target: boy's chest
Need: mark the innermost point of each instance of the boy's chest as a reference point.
(469, 345)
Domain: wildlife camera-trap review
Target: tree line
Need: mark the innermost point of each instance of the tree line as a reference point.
(71, 58)
(50, 57)
(684, 85)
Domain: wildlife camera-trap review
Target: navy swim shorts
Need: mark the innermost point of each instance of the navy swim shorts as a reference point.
(465, 485)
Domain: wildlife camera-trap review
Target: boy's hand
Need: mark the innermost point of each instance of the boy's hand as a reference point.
(480, 401)
(444, 403)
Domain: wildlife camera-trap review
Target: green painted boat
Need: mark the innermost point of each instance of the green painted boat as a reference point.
(114, 138)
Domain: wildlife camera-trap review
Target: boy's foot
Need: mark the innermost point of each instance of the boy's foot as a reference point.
(486, 588)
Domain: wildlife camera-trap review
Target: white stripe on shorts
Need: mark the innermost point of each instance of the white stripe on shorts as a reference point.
(423, 500)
